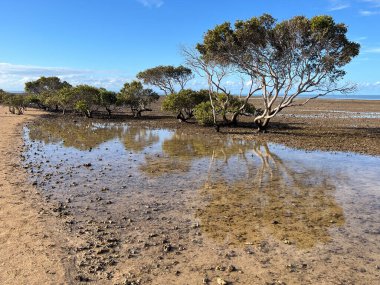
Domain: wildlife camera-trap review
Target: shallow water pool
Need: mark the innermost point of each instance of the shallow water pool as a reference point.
(164, 205)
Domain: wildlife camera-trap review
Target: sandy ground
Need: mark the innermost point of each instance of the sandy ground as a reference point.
(30, 251)
(35, 246)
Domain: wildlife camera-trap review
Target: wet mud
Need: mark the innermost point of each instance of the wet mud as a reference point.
(162, 206)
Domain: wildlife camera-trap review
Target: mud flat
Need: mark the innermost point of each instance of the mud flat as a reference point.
(158, 202)
(167, 206)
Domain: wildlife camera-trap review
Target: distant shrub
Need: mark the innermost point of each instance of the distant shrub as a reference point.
(183, 103)
(203, 113)
(16, 103)
(136, 97)
(2, 96)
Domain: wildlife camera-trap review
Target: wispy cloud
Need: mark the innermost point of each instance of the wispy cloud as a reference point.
(368, 13)
(365, 85)
(371, 8)
(14, 76)
(336, 5)
(152, 3)
(372, 50)
(374, 3)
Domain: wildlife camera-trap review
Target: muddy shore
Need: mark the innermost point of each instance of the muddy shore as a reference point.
(327, 125)
(29, 252)
(43, 247)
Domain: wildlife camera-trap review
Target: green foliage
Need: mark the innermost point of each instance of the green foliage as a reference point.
(45, 84)
(2, 96)
(250, 110)
(166, 78)
(83, 107)
(16, 103)
(183, 103)
(261, 40)
(136, 97)
(203, 114)
(43, 91)
(107, 100)
(65, 98)
(87, 99)
(291, 57)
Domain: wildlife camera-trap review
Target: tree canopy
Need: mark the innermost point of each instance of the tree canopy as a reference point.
(137, 97)
(166, 78)
(45, 84)
(183, 103)
(279, 60)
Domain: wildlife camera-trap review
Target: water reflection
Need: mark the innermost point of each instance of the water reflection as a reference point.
(180, 150)
(86, 135)
(273, 199)
(249, 192)
(137, 139)
(186, 146)
(82, 135)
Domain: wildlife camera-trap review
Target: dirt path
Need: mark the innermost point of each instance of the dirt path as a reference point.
(29, 251)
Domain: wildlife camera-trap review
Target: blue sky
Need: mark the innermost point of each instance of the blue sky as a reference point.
(106, 42)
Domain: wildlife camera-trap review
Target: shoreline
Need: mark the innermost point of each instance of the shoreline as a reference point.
(324, 125)
(32, 242)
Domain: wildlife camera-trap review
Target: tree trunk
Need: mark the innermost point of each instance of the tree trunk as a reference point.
(234, 118)
(181, 117)
(217, 128)
(109, 112)
(263, 125)
(225, 117)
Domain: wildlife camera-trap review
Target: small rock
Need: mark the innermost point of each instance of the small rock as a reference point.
(231, 268)
(220, 281)
(167, 247)
(82, 278)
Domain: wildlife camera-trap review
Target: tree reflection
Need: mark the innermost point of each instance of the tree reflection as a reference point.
(82, 135)
(272, 200)
(138, 138)
(187, 146)
(85, 135)
(181, 149)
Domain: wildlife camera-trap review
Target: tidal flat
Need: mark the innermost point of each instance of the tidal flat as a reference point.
(149, 205)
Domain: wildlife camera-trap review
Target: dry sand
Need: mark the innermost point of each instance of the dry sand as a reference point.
(30, 251)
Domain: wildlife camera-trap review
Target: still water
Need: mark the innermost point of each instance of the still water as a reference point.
(274, 212)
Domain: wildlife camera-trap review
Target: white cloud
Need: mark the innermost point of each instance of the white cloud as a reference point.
(372, 50)
(369, 85)
(336, 5)
(374, 3)
(368, 13)
(360, 39)
(152, 3)
(14, 76)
